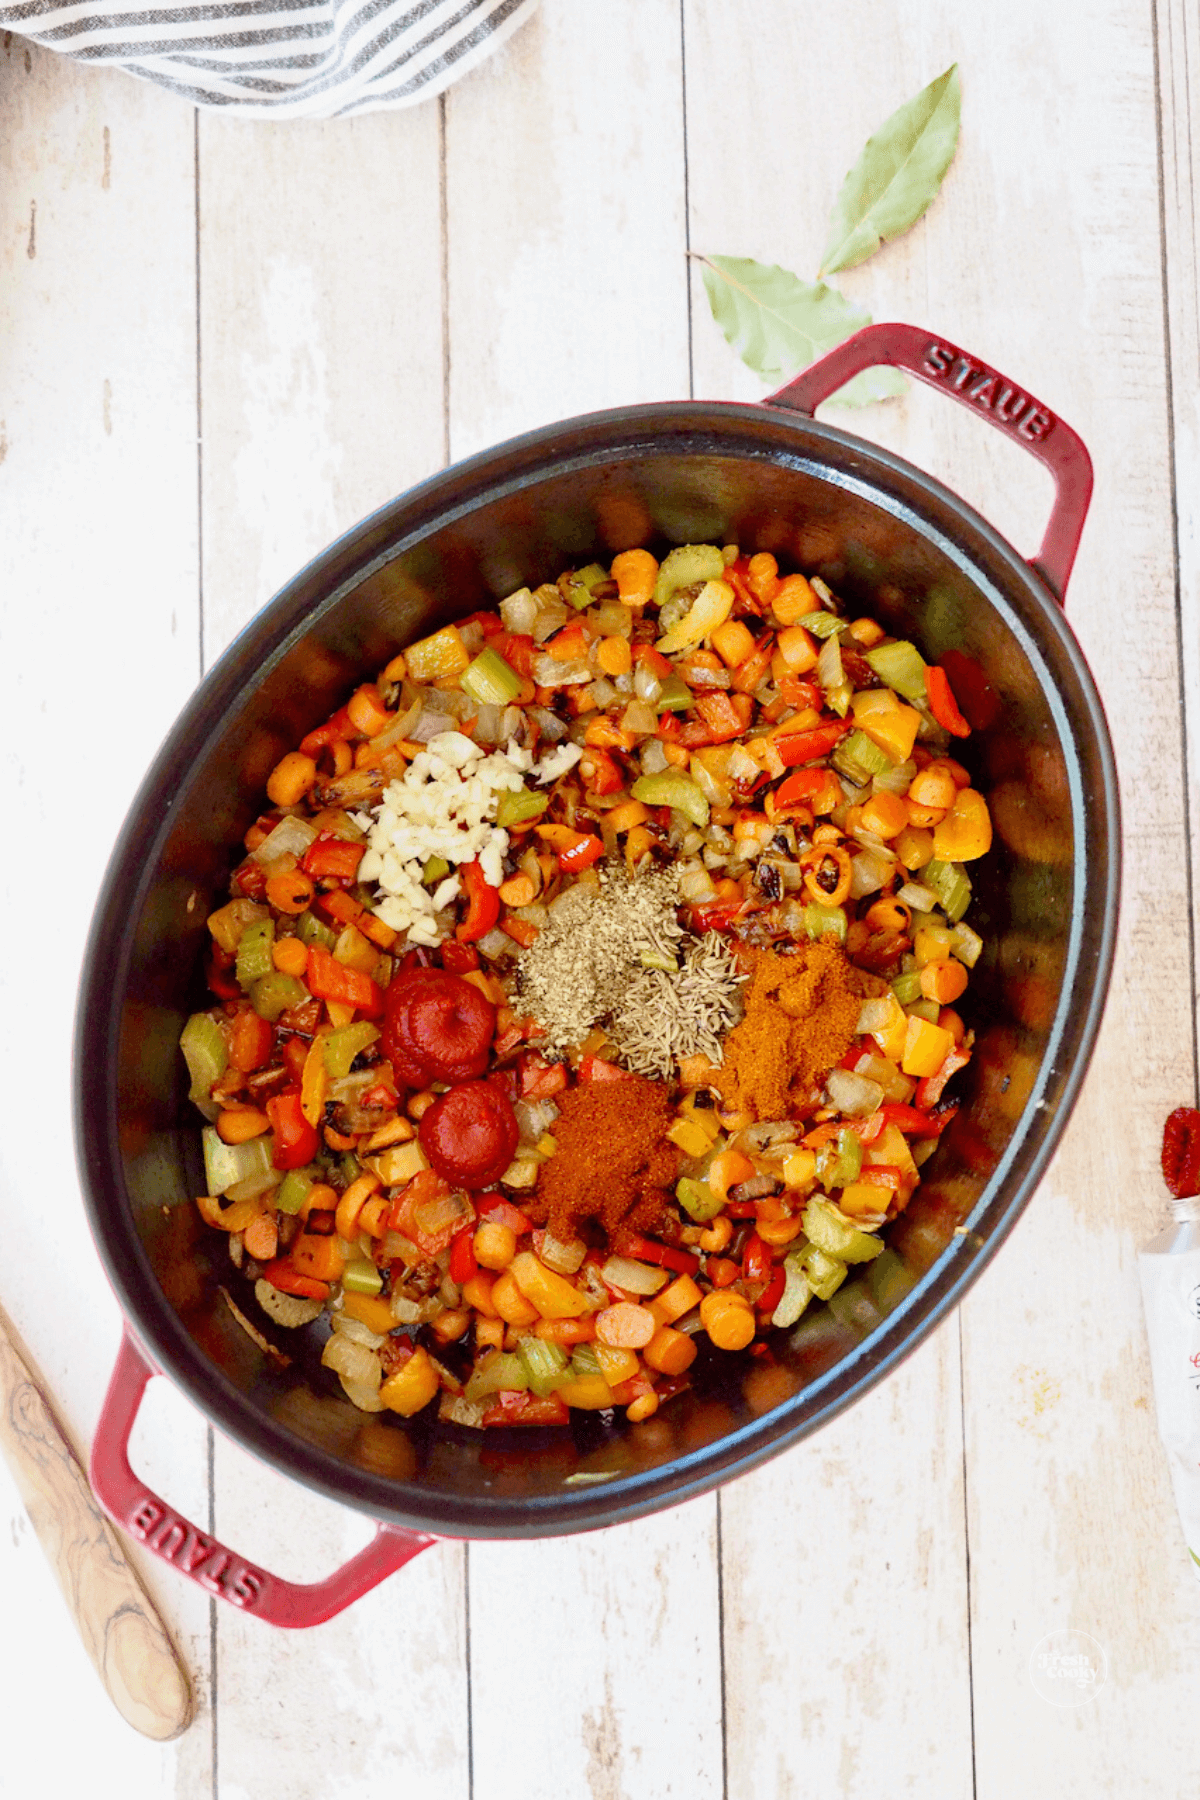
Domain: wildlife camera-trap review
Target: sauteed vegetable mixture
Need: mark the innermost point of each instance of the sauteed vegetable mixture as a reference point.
(589, 988)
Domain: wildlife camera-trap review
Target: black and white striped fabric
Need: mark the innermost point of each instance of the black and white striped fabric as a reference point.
(280, 59)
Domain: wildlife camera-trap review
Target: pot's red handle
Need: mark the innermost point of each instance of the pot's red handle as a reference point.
(1001, 402)
(149, 1520)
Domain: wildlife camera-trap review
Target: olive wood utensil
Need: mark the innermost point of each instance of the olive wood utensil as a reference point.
(121, 1630)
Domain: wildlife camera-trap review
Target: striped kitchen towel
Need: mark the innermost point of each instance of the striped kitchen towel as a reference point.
(279, 59)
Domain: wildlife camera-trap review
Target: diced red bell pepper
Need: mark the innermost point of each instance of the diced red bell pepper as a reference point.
(725, 718)
(805, 784)
(735, 575)
(907, 1118)
(883, 1175)
(539, 1078)
(626, 1392)
(931, 1087)
(719, 916)
(218, 973)
(646, 656)
(283, 1275)
(295, 1054)
(516, 1407)
(670, 727)
(756, 1259)
(458, 958)
(800, 693)
(518, 651)
(424, 1188)
(722, 1271)
(569, 644)
(695, 735)
(607, 776)
(462, 1257)
(742, 1209)
(663, 1256)
(250, 879)
(806, 746)
(339, 907)
(329, 979)
(490, 623)
(521, 931)
(772, 1294)
(943, 705)
(250, 1041)
(756, 667)
(594, 1068)
(329, 855)
(581, 854)
(977, 698)
(339, 728)
(296, 1141)
(483, 904)
(499, 1211)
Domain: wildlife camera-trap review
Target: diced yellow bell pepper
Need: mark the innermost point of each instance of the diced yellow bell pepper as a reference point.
(711, 607)
(616, 1365)
(340, 1013)
(703, 1116)
(314, 1083)
(933, 943)
(554, 1296)
(411, 1387)
(356, 951)
(590, 1394)
(397, 1166)
(891, 1149)
(437, 658)
(859, 1197)
(926, 1048)
(966, 830)
(891, 1034)
(369, 1310)
(800, 1168)
(886, 721)
(690, 1137)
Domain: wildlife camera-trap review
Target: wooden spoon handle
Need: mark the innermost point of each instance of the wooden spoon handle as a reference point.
(120, 1628)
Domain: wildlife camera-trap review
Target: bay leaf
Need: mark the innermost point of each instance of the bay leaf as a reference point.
(880, 383)
(898, 175)
(777, 323)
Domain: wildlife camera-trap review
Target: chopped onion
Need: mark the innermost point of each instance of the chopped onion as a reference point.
(854, 1095)
(765, 1136)
(564, 1259)
(548, 723)
(447, 1209)
(551, 616)
(362, 1395)
(510, 723)
(291, 837)
(287, 1310)
(431, 725)
(756, 1187)
(633, 1277)
(519, 611)
(354, 1329)
(496, 944)
(829, 663)
(887, 1076)
(967, 945)
(522, 1173)
(715, 791)
(875, 845)
(653, 757)
(894, 781)
(876, 1015)
(697, 676)
(602, 693)
(916, 895)
(472, 637)
(742, 766)
(533, 1118)
(695, 885)
(532, 915)
(487, 724)
(406, 1311)
(549, 672)
(646, 684)
(867, 874)
(353, 1361)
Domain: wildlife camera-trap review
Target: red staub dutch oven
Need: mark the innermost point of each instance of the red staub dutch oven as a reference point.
(887, 538)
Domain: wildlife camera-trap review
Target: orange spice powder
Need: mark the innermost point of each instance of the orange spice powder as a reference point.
(801, 1014)
(614, 1162)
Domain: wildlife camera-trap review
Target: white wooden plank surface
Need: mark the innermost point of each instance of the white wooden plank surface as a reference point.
(322, 371)
(98, 491)
(567, 292)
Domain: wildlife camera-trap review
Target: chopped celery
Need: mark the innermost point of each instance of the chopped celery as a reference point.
(225, 1165)
(310, 930)
(341, 1047)
(254, 952)
(822, 624)
(362, 1277)
(585, 1364)
(275, 993)
(907, 988)
(952, 885)
(900, 666)
(517, 805)
(675, 790)
(796, 1292)
(697, 1199)
(205, 1052)
(544, 1363)
(436, 869)
(825, 921)
(499, 1371)
(860, 758)
(830, 668)
(849, 1158)
(490, 680)
(824, 1273)
(683, 567)
(350, 1166)
(674, 694)
(838, 698)
(576, 588)
(293, 1189)
(612, 618)
(923, 1009)
(830, 1232)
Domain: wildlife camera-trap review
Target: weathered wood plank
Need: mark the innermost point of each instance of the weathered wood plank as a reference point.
(98, 499)
(567, 292)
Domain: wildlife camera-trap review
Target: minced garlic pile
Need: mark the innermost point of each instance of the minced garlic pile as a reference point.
(444, 805)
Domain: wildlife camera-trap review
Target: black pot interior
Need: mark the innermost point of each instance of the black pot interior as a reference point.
(890, 541)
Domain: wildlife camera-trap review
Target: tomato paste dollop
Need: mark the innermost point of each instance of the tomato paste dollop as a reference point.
(436, 1027)
(470, 1134)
